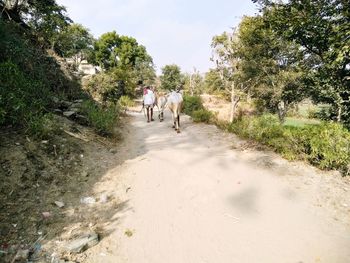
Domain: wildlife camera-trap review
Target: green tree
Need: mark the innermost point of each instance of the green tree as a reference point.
(171, 77)
(194, 82)
(268, 63)
(113, 50)
(105, 50)
(322, 28)
(145, 72)
(225, 55)
(213, 82)
(45, 17)
(75, 41)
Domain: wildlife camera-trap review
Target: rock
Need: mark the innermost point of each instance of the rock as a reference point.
(74, 109)
(114, 151)
(82, 243)
(76, 105)
(65, 104)
(103, 198)
(22, 255)
(57, 111)
(55, 100)
(87, 200)
(59, 204)
(69, 113)
(46, 214)
(84, 174)
(81, 119)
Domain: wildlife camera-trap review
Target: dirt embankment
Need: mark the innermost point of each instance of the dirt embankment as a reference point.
(42, 184)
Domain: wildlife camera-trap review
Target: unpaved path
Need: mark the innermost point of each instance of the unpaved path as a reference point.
(192, 197)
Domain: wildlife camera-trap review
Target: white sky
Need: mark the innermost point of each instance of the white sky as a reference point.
(173, 31)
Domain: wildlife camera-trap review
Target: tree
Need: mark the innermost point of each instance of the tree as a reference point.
(145, 72)
(213, 82)
(171, 77)
(105, 50)
(194, 82)
(45, 17)
(226, 60)
(113, 50)
(269, 63)
(322, 29)
(75, 41)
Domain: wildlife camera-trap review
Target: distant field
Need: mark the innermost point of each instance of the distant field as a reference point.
(299, 122)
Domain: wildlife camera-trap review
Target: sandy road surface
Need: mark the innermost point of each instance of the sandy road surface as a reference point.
(191, 198)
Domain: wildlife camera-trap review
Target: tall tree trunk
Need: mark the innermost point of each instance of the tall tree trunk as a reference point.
(234, 102)
(282, 110)
(339, 110)
(191, 85)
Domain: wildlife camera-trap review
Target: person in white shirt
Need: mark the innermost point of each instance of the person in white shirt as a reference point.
(148, 103)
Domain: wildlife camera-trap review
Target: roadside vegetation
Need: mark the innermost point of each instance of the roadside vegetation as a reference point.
(285, 75)
(37, 83)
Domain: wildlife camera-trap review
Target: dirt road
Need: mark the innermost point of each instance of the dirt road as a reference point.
(192, 197)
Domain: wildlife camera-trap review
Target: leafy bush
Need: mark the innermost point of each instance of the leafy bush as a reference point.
(326, 145)
(103, 120)
(202, 115)
(191, 104)
(29, 79)
(20, 95)
(126, 101)
(111, 85)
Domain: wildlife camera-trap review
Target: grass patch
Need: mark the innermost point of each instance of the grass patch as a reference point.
(325, 145)
(202, 115)
(43, 126)
(103, 120)
(300, 122)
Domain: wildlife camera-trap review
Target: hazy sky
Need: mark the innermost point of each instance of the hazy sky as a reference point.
(173, 31)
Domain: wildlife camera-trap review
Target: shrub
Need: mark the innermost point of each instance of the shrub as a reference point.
(110, 86)
(126, 101)
(20, 95)
(202, 115)
(326, 145)
(29, 77)
(191, 104)
(42, 126)
(103, 120)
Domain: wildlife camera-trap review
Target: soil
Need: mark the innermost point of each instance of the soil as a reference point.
(36, 173)
(199, 196)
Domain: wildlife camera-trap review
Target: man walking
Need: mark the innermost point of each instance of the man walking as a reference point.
(148, 102)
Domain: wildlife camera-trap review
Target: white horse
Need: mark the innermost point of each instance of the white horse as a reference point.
(175, 101)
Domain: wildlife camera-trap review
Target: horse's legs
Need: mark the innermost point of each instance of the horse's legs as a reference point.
(173, 118)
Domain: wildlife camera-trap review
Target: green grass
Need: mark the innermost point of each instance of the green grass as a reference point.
(300, 122)
(325, 145)
(102, 119)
